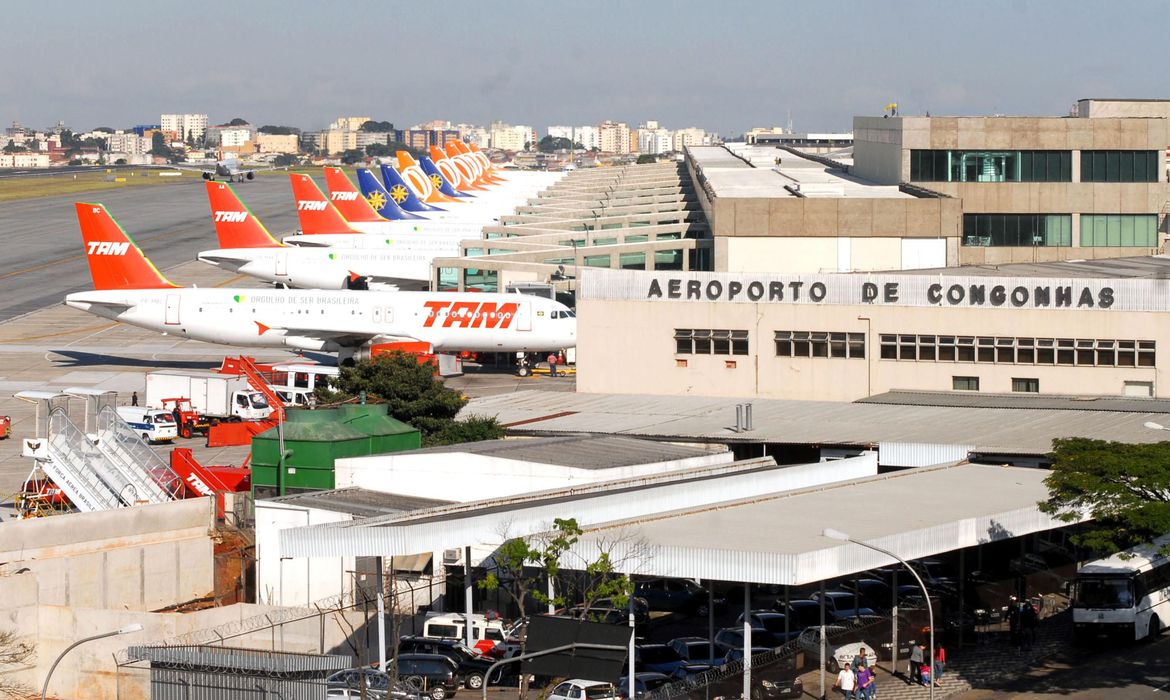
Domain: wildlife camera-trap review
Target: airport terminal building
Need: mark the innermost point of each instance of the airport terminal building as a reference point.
(1083, 328)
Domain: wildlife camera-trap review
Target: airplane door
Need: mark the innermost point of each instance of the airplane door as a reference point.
(172, 318)
(524, 317)
(377, 314)
(282, 263)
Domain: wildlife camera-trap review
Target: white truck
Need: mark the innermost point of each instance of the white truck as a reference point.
(214, 395)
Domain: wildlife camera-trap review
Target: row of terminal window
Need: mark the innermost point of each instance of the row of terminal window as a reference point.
(1026, 385)
(1080, 352)
(1048, 230)
(1031, 166)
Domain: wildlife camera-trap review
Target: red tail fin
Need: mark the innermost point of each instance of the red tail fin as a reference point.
(348, 200)
(115, 261)
(235, 225)
(317, 214)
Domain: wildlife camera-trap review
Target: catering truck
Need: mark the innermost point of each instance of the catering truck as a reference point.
(213, 395)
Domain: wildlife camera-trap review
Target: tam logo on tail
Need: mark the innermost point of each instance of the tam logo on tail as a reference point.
(231, 217)
(107, 248)
(303, 205)
(343, 196)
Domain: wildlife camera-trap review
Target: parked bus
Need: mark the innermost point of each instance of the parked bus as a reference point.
(1125, 595)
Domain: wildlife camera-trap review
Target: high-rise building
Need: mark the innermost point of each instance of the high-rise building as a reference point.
(507, 137)
(691, 136)
(184, 125)
(614, 137)
(588, 136)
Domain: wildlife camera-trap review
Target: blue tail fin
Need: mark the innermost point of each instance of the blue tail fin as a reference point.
(443, 184)
(379, 198)
(401, 193)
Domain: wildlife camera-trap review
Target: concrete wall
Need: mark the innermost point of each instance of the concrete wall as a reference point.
(296, 581)
(141, 558)
(841, 254)
(1123, 108)
(609, 328)
(469, 477)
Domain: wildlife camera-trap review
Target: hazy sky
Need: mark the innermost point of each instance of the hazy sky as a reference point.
(725, 66)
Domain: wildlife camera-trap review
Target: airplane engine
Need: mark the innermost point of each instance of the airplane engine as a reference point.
(207, 176)
(373, 349)
(250, 175)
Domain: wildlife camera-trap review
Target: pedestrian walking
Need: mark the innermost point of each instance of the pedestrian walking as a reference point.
(1029, 620)
(865, 683)
(847, 683)
(859, 661)
(940, 663)
(916, 658)
(1014, 620)
(552, 364)
(134, 398)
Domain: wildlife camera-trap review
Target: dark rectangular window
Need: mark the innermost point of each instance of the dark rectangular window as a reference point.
(1119, 166)
(990, 166)
(816, 344)
(1080, 352)
(1027, 385)
(705, 341)
(1018, 230)
(965, 383)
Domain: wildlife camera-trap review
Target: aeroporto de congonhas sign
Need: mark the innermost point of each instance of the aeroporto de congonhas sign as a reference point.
(885, 289)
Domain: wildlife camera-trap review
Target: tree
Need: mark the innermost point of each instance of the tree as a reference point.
(353, 155)
(376, 126)
(158, 145)
(190, 138)
(647, 158)
(120, 161)
(13, 148)
(415, 397)
(238, 121)
(105, 129)
(285, 160)
(549, 144)
(1124, 488)
(279, 130)
(14, 653)
(379, 150)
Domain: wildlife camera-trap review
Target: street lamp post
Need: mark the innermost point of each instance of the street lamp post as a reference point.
(838, 535)
(133, 627)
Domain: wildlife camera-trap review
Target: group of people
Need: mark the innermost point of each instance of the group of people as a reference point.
(1023, 619)
(858, 682)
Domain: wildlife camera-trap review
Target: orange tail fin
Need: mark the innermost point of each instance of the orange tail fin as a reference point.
(235, 225)
(316, 213)
(115, 260)
(474, 172)
(348, 200)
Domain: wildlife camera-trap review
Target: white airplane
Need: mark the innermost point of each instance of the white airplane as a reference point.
(355, 325)
(227, 168)
(394, 261)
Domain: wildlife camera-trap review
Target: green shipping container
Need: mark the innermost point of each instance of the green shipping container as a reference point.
(314, 440)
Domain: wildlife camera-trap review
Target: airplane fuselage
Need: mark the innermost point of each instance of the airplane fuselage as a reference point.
(340, 321)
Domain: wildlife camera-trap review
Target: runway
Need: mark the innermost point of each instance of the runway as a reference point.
(43, 260)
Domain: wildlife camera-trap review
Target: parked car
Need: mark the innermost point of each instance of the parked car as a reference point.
(604, 610)
(730, 638)
(773, 622)
(347, 684)
(433, 674)
(873, 593)
(578, 689)
(676, 595)
(802, 614)
(841, 605)
(470, 666)
(840, 653)
(773, 679)
(644, 682)
(696, 650)
(657, 658)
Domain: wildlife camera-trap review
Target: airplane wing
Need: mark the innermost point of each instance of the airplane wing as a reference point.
(190, 168)
(342, 335)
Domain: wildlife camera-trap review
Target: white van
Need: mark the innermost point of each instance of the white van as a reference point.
(153, 424)
(485, 634)
(296, 397)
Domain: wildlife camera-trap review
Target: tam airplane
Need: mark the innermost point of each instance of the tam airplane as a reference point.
(394, 261)
(325, 223)
(128, 288)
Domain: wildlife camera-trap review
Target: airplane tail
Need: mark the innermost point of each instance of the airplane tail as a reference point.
(401, 193)
(473, 150)
(467, 165)
(381, 200)
(438, 178)
(235, 225)
(316, 213)
(115, 260)
(409, 168)
(352, 205)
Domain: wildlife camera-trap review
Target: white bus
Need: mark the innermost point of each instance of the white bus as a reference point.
(1125, 595)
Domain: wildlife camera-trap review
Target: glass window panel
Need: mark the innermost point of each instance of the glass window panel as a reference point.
(1025, 355)
(1112, 166)
(947, 353)
(1126, 174)
(1027, 385)
(965, 383)
(1126, 230)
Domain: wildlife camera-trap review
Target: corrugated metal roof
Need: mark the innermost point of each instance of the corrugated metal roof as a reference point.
(778, 538)
(579, 451)
(359, 502)
(1001, 430)
(1138, 267)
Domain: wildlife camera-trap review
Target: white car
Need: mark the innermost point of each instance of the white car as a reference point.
(577, 689)
(840, 655)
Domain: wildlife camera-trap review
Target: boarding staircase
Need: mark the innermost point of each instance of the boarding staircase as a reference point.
(69, 454)
(153, 478)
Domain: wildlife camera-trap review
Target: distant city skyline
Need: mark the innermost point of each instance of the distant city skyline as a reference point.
(681, 63)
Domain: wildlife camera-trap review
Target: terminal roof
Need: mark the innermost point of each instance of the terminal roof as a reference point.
(972, 399)
(752, 172)
(359, 502)
(1141, 267)
(577, 451)
(696, 418)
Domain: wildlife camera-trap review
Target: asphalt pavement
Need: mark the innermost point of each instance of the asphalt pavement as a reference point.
(42, 254)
